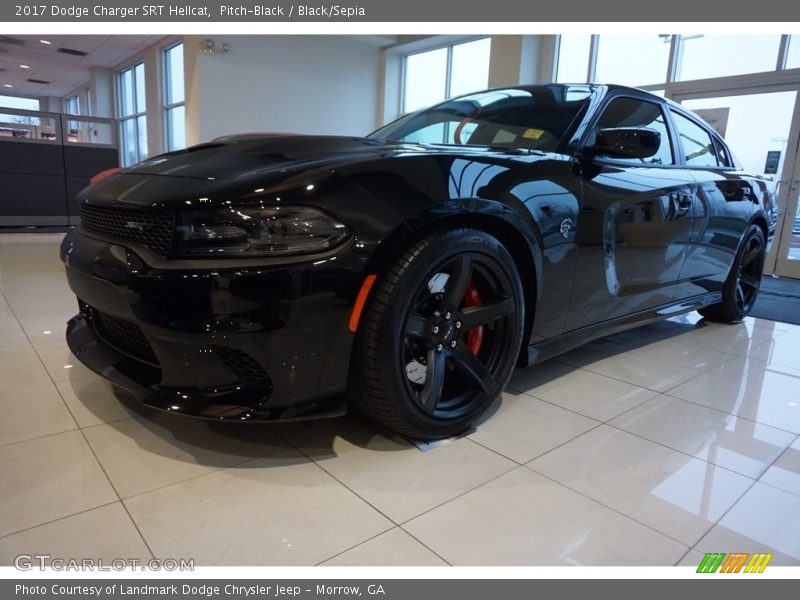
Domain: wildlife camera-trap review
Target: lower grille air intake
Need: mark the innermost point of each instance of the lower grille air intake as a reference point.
(243, 365)
(124, 336)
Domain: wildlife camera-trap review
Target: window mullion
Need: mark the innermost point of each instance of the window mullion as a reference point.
(594, 44)
(783, 52)
(448, 73)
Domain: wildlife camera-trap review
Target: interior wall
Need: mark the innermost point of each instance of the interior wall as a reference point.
(299, 84)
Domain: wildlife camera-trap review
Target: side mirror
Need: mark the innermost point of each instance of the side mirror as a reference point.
(626, 142)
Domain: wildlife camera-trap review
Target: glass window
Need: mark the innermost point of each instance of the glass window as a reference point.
(176, 128)
(133, 122)
(72, 105)
(470, 69)
(173, 69)
(126, 93)
(698, 146)
(634, 60)
(435, 75)
(630, 112)
(425, 79)
(174, 100)
(793, 56)
(516, 118)
(704, 56)
(722, 154)
(573, 58)
(17, 102)
(756, 127)
(139, 87)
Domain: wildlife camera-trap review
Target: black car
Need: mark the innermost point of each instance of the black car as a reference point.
(272, 277)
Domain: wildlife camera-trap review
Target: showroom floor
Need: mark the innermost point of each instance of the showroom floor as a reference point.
(647, 448)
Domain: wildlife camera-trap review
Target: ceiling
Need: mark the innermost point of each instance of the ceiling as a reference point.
(64, 72)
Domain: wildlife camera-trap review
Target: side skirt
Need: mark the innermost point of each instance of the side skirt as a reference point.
(558, 345)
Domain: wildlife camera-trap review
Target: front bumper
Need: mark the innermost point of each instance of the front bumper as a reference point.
(241, 343)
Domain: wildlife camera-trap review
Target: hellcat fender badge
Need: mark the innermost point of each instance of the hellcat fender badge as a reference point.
(566, 227)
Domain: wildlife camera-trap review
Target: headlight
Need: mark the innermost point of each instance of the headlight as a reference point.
(255, 232)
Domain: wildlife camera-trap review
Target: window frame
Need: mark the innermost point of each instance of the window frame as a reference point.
(166, 106)
(138, 112)
(448, 69)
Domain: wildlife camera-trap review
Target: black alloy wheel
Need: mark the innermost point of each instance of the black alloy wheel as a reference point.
(744, 280)
(440, 335)
(748, 275)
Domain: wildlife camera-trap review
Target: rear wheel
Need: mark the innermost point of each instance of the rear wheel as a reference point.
(744, 280)
(440, 335)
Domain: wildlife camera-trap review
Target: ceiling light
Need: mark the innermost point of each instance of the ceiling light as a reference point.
(45, 42)
(24, 67)
(8, 85)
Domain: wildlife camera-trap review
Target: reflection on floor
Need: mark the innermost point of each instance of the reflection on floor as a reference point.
(650, 447)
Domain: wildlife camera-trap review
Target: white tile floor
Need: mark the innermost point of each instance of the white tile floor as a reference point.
(649, 447)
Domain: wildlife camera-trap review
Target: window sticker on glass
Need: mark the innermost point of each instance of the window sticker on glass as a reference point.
(532, 134)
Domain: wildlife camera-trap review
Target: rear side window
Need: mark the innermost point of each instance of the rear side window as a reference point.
(698, 145)
(630, 112)
(723, 156)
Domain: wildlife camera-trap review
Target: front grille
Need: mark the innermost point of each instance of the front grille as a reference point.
(243, 365)
(152, 228)
(122, 335)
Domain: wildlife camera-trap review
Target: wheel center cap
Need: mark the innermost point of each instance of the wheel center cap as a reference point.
(449, 331)
(445, 330)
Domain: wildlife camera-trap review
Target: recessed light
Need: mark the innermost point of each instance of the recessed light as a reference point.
(45, 42)
(8, 85)
(24, 66)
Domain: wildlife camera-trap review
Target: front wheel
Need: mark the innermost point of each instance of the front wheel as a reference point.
(740, 290)
(440, 335)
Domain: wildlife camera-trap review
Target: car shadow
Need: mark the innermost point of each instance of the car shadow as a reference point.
(215, 443)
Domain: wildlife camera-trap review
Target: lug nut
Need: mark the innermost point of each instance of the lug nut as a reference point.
(447, 315)
(435, 329)
(439, 347)
(458, 324)
(453, 344)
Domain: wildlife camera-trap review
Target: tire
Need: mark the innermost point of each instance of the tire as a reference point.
(740, 289)
(452, 299)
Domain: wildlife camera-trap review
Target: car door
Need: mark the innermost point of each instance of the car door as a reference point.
(635, 220)
(721, 208)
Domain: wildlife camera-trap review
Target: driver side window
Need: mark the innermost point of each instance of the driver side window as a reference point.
(630, 112)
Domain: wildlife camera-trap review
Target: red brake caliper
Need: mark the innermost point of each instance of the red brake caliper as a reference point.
(474, 336)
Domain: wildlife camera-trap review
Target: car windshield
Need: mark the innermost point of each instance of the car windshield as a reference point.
(535, 118)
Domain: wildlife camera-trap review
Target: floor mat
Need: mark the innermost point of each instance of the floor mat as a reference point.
(778, 300)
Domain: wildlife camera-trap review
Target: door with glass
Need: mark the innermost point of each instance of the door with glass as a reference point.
(787, 241)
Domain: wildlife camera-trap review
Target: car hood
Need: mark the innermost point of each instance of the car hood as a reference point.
(259, 154)
(219, 170)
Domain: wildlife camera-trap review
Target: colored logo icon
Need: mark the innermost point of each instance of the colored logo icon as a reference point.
(736, 562)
